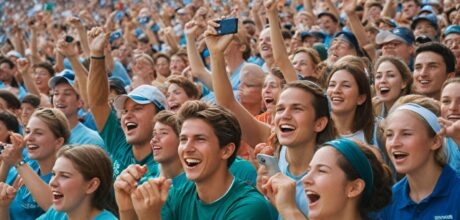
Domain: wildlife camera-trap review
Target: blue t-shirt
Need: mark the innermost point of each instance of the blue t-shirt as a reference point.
(24, 206)
(120, 72)
(234, 81)
(300, 197)
(80, 134)
(442, 203)
(22, 90)
(52, 214)
(453, 154)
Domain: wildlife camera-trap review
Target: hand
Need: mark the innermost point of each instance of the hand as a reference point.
(99, 40)
(23, 65)
(349, 6)
(67, 49)
(450, 129)
(191, 29)
(12, 154)
(214, 42)
(271, 5)
(281, 190)
(126, 183)
(257, 5)
(7, 194)
(74, 22)
(149, 198)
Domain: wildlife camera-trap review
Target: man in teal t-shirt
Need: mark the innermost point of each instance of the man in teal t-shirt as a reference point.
(127, 140)
(209, 140)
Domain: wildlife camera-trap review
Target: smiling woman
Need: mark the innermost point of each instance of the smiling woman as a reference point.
(81, 184)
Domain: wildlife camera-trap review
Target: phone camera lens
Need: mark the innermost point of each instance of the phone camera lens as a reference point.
(262, 160)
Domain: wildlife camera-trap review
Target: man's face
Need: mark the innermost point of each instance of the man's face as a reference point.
(66, 99)
(409, 9)
(328, 25)
(338, 49)
(398, 49)
(250, 88)
(136, 122)
(429, 74)
(265, 44)
(425, 28)
(453, 42)
(162, 67)
(6, 73)
(199, 151)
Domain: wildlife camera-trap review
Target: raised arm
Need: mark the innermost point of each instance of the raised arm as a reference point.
(25, 71)
(255, 11)
(357, 28)
(308, 6)
(98, 84)
(76, 22)
(280, 54)
(253, 131)
(198, 68)
(70, 51)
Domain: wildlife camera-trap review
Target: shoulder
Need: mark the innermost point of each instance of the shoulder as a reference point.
(53, 214)
(105, 215)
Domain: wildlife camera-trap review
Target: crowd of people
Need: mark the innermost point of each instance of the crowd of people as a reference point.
(157, 109)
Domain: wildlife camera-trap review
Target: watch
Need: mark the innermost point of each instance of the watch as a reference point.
(20, 163)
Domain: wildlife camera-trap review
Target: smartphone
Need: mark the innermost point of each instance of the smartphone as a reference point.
(227, 26)
(270, 162)
(2, 147)
(69, 39)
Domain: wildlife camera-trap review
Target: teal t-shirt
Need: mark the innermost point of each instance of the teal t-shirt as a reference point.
(80, 134)
(244, 170)
(52, 214)
(121, 152)
(177, 181)
(242, 201)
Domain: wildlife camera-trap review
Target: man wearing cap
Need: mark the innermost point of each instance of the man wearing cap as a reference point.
(397, 42)
(434, 64)
(452, 40)
(425, 25)
(344, 43)
(329, 24)
(127, 140)
(67, 99)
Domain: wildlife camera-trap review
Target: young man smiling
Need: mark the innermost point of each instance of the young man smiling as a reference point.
(209, 140)
(128, 140)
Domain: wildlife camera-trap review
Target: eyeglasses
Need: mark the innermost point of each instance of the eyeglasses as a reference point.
(451, 42)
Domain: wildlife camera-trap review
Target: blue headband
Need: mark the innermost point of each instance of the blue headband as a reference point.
(426, 114)
(358, 161)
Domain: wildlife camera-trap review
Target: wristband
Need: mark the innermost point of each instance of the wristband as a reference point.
(98, 58)
(20, 163)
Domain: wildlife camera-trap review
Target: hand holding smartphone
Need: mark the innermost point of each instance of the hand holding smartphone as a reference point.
(270, 162)
(227, 26)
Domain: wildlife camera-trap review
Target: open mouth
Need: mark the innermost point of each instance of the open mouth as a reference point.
(174, 107)
(269, 101)
(287, 128)
(57, 195)
(192, 162)
(131, 125)
(453, 117)
(384, 90)
(424, 82)
(32, 147)
(312, 197)
(398, 155)
(336, 99)
(60, 106)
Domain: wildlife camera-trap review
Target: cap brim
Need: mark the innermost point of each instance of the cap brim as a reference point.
(56, 80)
(386, 36)
(119, 102)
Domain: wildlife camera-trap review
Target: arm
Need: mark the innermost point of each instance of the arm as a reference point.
(308, 6)
(40, 191)
(280, 54)
(4, 169)
(82, 34)
(170, 38)
(70, 51)
(98, 84)
(389, 9)
(357, 28)
(253, 131)
(7, 194)
(198, 68)
(125, 184)
(256, 15)
(24, 70)
(33, 46)
(332, 8)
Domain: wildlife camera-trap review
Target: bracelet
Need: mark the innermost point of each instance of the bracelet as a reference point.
(20, 163)
(98, 58)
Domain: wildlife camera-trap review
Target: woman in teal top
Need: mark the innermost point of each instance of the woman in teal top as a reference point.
(46, 132)
(81, 184)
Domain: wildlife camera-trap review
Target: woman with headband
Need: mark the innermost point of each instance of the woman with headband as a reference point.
(345, 181)
(430, 188)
